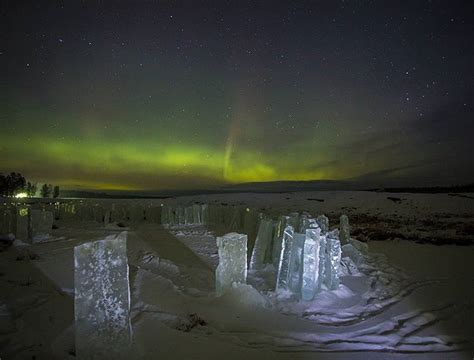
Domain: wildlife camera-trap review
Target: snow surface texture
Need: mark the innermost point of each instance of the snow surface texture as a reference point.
(102, 299)
(335, 316)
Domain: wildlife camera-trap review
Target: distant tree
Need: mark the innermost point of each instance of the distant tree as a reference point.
(46, 190)
(12, 184)
(3, 185)
(31, 189)
(56, 191)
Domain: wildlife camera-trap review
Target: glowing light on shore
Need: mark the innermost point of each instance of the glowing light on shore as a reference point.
(21, 195)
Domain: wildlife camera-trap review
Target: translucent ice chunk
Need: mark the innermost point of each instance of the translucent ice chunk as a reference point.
(232, 266)
(294, 220)
(311, 257)
(355, 255)
(278, 232)
(250, 225)
(7, 222)
(323, 223)
(344, 229)
(204, 214)
(333, 260)
(234, 220)
(322, 259)
(107, 217)
(119, 213)
(168, 216)
(197, 214)
(40, 224)
(284, 262)
(261, 253)
(153, 214)
(361, 246)
(102, 299)
(188, 215)
(181, 216)
(22, 223)
(296, 263)
(307, 222)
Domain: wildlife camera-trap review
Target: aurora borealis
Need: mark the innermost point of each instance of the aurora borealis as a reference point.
(145, 95)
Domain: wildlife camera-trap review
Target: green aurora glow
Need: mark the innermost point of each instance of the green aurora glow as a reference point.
(151, 96)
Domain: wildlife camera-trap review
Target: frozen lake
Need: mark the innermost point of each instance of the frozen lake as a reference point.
(409, 298)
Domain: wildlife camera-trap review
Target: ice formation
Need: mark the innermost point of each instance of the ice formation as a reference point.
(306, 256)
(232, 266)
(194, 214)
(278, 233)
(309, 259)
(107, 218)
(323, 223)
(22, 223)
(284, 261)
(351, 252)
(296, 263)
(40, 224)
(102, 299)
(311, 270)
(262, 250)
(344, 229)
(333, 260)
(7, 226)
(136, 214)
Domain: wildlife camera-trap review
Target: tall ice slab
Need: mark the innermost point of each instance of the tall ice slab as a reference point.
(102, 299)
(344, 230)
(232, 266)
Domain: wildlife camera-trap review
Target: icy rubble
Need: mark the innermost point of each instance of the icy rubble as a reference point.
(102, 299)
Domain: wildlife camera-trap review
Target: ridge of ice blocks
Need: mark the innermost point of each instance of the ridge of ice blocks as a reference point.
(232, 266)
(262, 250)
(344, 229)
(102, 299)
(195, 214)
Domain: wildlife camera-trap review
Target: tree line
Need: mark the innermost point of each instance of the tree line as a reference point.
(14, 183)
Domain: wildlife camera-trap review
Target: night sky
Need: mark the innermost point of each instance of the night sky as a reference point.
(144, 95)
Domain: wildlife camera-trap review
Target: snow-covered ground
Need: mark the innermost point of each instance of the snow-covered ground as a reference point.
(407, 300)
